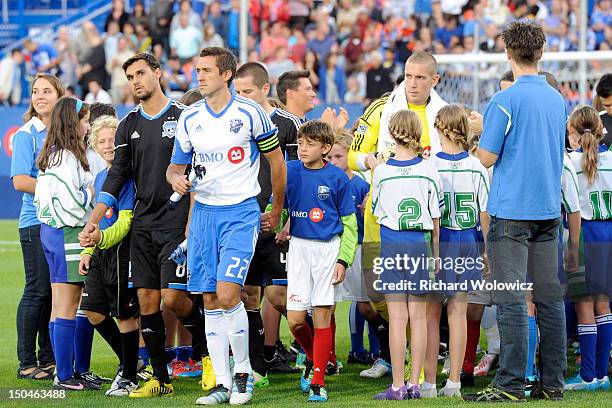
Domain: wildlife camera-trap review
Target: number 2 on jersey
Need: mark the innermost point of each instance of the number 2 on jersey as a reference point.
(240, 274)
(410, 210)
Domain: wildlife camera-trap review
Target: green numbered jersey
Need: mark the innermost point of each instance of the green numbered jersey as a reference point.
(596, 198)
(406, 194)
(465, 187)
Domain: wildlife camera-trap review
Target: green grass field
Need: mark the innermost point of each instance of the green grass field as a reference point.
(345, 390)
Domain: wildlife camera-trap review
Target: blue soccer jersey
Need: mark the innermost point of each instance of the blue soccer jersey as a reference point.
(316, 200)
(228, 145)
(359, 190)
(124, 202)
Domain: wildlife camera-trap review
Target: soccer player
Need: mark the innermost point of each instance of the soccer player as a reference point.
(406, 201)
(106, 293)
(144, 143)
(226, 134)
(63, 197)
(604, 92)
(34, 310)
(594, 162)
(323, 228)
(296, 92)
(268, 267)
(465, 187)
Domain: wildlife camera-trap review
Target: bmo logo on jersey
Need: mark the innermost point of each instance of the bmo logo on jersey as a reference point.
(212, 157)
(316, 215)
(235, 155)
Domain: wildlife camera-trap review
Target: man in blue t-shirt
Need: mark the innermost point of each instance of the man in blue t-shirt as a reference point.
(523, 137)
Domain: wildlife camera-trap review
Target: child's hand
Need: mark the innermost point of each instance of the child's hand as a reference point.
(342, 118)
(475, 122)
(571, 258)
(372, 161)
(339, 274)
(282, 237)
(84, 264)
(363, 205)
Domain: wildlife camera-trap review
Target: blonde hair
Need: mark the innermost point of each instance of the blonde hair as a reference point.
(452, 122)
(103, 122)
(343, 137)
(586, 122)
(405, 128)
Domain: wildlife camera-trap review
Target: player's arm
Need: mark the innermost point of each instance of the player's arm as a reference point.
(497, 124)
(348, 240)
(182, 155)
(366, 136)
(278, 175)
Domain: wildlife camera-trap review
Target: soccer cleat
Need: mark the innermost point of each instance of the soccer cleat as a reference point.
(541, 393)
(242, 389)
(531, 383)
(392, 395)
(306, 376)
(317, 393)
(413, 391)
(173, 365)
(209, 380)
(299, 360)
(494, 394)
(282, 350)
(379, 369)
(333, 369)
(91, 377)
(603, 383)
(188, 369)
(152, 388)
(279, 364)
(144, 373)
(88, 380)
(486, 364)
(121, 387)
(71, 384)
(218, 395)
(447, 391)
(261, 381)
(357, 358)
(576, 383)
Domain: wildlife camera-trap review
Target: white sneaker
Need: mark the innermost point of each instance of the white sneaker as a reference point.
(447, 391)
(242, 389)
(121, 387)
(428, 391)
(218, 395)
(485, 364)
(379, 369)
(446, 367)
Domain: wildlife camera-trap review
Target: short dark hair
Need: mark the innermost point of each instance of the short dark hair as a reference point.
(604, 86)
(255, 70)
(150, 59)
(226, 61)
(318, 131)
(98, 109)
(507, 76)
(524, 42)
(289, 80)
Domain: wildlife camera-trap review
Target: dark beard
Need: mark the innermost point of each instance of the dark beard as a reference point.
(146, 96)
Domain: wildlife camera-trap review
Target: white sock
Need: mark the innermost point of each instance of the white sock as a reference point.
(427, 386)
(237, 326)
(452, 384)
(216, 336)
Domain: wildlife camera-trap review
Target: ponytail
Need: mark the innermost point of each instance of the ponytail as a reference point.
(590, 156)
(586, 122)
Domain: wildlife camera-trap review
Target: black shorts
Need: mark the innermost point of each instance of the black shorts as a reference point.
(151, 268)
(269, 264)
(106, 288)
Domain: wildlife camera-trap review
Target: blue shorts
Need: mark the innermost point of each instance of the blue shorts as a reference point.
(461, 260)
(221, 244)
(411, 277)
(597, 240)
(63, 253)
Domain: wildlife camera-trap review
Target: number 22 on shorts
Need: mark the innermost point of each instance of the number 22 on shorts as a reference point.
(237, 261)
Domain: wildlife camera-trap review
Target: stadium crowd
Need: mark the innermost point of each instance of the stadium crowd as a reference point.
(354, 49)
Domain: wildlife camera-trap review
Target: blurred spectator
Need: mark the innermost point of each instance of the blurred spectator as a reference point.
(185, 41)
(139, 14)
(322, 41)
(353, 48)
(378, 79)
(117, 14)
(129, 32)
(451, 29)
(551, 23)
(398, 8)
(160, 16)
(10, 78)
(299, 13)
(374, 11)
(346, 19)
(193, 19)
(537, 10)
(280, 64)
(426, 39)
(145, 41)
(160, 53)
(175, 80)
(111, 38)
(487, 43)
(211, 38)
(217, 18)
(332, 86)
(233, 27)
(311, 64)
(67, 58)
(354, 92)
(270, 42)
(601, 18)
(93, 66)
(96, 93)
(297, 42)
(43, 58)
(114, 66)
(452, 7)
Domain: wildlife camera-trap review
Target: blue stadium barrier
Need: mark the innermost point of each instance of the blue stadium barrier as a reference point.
(10, 122)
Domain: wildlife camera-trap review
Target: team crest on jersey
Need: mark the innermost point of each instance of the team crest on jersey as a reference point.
(361, 129)
(169, 129)
(323, 192)
(235, 125)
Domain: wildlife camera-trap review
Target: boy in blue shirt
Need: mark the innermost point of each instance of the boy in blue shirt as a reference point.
(323, 228)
